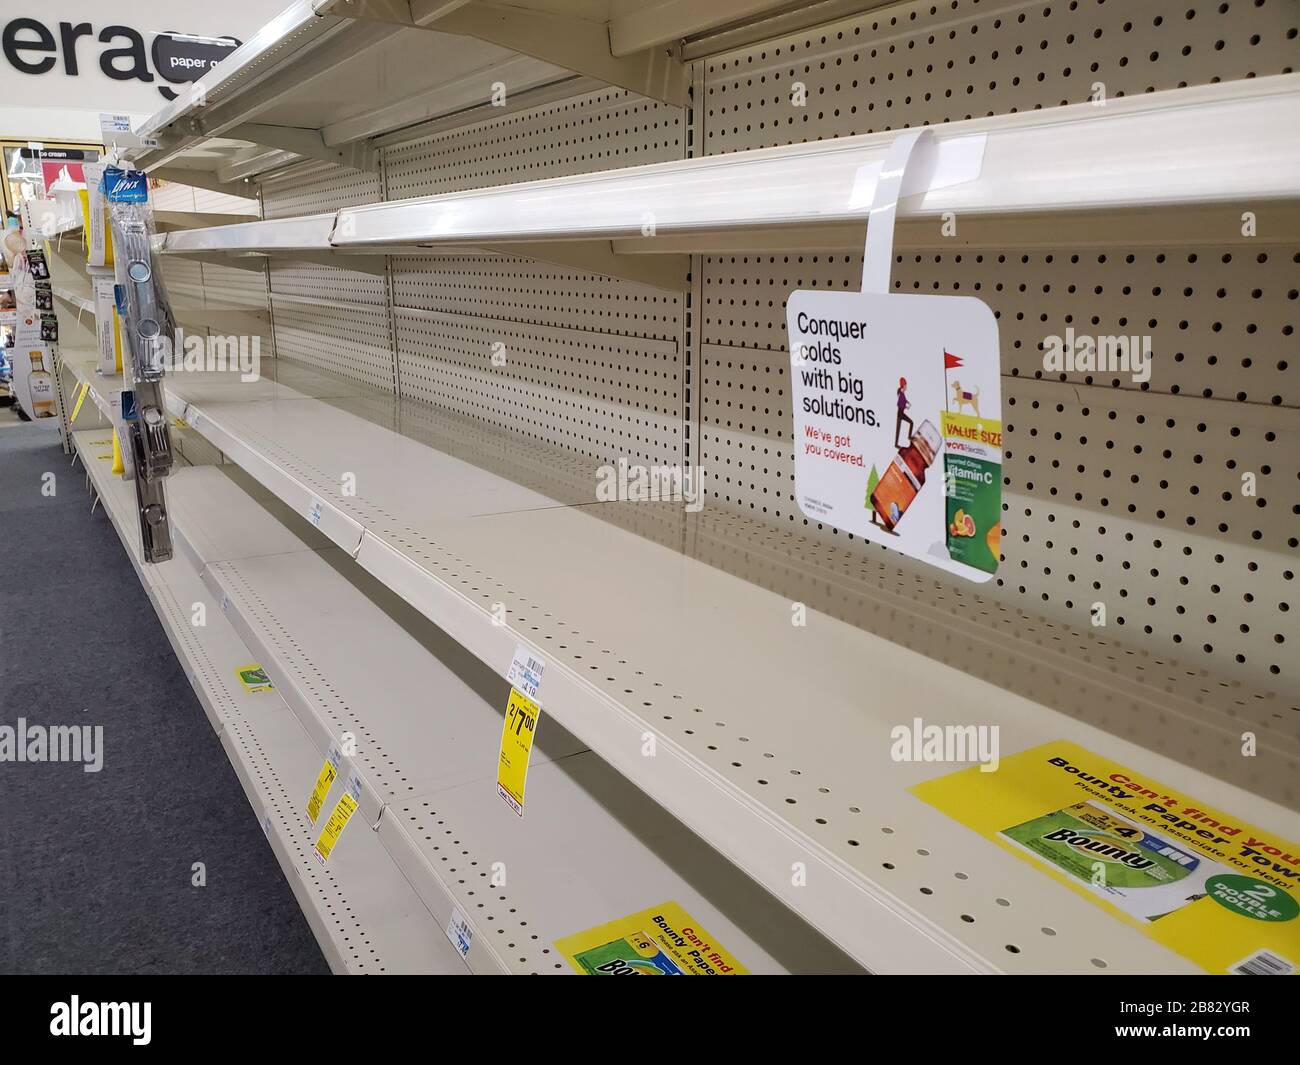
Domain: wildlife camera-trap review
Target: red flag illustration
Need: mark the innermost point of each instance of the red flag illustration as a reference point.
(950, 362)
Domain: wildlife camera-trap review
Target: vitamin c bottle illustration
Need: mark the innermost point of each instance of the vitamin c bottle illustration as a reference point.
(904, 477)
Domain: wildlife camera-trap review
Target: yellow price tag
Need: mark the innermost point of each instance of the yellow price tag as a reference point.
(324, 781)
(522, 716)
(338, 820)
(253, 677)
(81, 398)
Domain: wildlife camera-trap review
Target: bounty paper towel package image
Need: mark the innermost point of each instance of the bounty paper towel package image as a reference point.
(1143, 874)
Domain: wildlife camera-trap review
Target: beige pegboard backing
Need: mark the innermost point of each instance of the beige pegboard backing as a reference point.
(1118, 492)
(329, 316)
(223, 203)
(600, 394)
(172, 197)
(176, 197)
(583, 362)
(231, 285)
(326, 283)
(309, 188)
(923, 63)
(1220, 320)
(535, 293)
(352, 339)
(595, 131)
(184, 280)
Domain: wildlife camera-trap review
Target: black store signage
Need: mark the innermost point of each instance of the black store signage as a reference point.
(34, 47)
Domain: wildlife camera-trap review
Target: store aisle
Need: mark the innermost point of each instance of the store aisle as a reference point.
(98, 869)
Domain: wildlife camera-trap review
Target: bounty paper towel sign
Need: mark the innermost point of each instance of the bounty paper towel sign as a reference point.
(662, 941)
(1221, 891)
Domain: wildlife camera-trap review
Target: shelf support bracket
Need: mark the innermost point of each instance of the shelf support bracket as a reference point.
(204, 179)
(251, 164)
(573, 43)
(367, 264)
(598, 257)
(306, 142)
(254, 263)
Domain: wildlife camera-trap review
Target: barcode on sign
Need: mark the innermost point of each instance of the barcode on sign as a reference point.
(1263, 963)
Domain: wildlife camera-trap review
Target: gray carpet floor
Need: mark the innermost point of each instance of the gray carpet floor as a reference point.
(96, 868)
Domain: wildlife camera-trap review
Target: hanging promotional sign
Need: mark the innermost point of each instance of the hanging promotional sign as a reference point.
(897, 409)
(33, 382)
(898, 437)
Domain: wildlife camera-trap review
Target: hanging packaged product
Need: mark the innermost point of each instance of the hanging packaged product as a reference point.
(50, 328)
(36, 265)
(99, 237)
(64, 193)
(108, 351)
(148, 331)
(44, 296)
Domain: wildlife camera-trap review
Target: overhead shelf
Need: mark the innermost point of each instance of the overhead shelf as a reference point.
(771, 741)
(325, 78)
(1188, 161)
(365, 915)
(315, 83)
(303, 233)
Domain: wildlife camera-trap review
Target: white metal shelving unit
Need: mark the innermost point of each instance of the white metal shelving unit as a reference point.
(428, 226)
(740, 761)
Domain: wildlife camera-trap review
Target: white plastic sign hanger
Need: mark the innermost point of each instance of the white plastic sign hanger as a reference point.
(898, 403)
